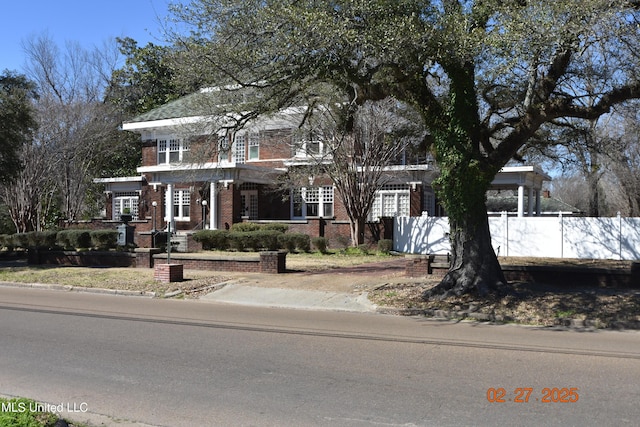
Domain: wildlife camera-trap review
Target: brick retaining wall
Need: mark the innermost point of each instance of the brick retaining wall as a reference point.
(272, 262)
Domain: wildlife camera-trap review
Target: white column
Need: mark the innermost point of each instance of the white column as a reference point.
(530, 202)
(169, 205)
(520, 201)
(213, 205)
(538, 207)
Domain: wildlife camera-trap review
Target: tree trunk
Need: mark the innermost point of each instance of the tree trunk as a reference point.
(474, 265)
(357, 226)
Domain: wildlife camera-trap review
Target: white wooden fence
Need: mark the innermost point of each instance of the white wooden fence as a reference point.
(556, 237)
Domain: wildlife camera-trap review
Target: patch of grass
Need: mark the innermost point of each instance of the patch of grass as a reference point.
(20, 412)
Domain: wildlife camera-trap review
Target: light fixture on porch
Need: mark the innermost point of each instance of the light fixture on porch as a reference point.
(311, 179)
(204, 213)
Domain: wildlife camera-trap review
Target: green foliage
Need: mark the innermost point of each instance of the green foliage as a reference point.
(24, 413)
(74, 239)
(41, 239)
(104, 239)
(267, 239)
(295, 242)
(212, 239)
(241, 240)
(320, 243)
(358, 251)
(282, 228)
(145, 81)
(287, 241)
(6, 242)
(385, 246)
(18, 123)
(20, 240)
(245, 226)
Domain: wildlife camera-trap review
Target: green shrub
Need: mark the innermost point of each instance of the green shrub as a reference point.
(282, 228)
(287, 241)
(41, 239)
(245, 226)
(212, 239)
(6, 242)
(20, 240)
(240, 240)
(74, 239)
(303, 242)
(360, 250)
(385, 246)
(267, 239)
(320, 243)
(104, 239)
(295, 241)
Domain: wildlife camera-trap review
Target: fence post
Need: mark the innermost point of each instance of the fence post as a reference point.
(505, 241)
(561, 235)
(619, 236)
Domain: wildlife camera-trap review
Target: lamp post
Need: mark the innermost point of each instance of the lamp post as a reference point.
(155, 205)
(153, 231)
(204, 213)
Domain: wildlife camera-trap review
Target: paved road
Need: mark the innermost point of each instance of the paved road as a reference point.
(187, 363)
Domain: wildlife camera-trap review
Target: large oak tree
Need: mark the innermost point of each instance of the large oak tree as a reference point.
(486, 76)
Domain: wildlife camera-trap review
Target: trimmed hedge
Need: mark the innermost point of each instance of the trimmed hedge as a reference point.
(246, 236)
(212, 239)
(74, 239)
(65, 239)
(104, 239)
(295, 241)
(321, 244)
(245, 226)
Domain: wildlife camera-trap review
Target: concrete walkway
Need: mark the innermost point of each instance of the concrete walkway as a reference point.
(340, 289)
(290, 298)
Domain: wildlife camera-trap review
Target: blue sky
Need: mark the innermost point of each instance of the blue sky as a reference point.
(88, 22)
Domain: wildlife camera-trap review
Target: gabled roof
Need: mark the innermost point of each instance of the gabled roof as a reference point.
(181, 107)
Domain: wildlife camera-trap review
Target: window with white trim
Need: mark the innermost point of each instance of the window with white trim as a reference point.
(223, 149)
(391, 200)
(181, 204)
(125, 203)
(312, 202)
(308, 145)
(239, 149)
(254, 146)
(172, 150)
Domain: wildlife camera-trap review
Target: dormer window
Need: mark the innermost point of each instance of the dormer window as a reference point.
(171, 150)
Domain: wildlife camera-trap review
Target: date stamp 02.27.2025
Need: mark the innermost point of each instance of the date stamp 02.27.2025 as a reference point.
(527, 394)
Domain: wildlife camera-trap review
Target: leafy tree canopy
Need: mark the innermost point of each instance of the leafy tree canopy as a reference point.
(16, 121)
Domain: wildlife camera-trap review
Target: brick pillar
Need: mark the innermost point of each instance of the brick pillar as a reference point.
(273, 262)
(167, 273)
(417, 265)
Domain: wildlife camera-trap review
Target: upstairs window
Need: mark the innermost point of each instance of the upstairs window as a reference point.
(254, 146)
(239, 146)
(172, 150)
(308, 145)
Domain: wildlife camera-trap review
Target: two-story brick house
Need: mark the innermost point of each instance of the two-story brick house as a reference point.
(191, 180)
